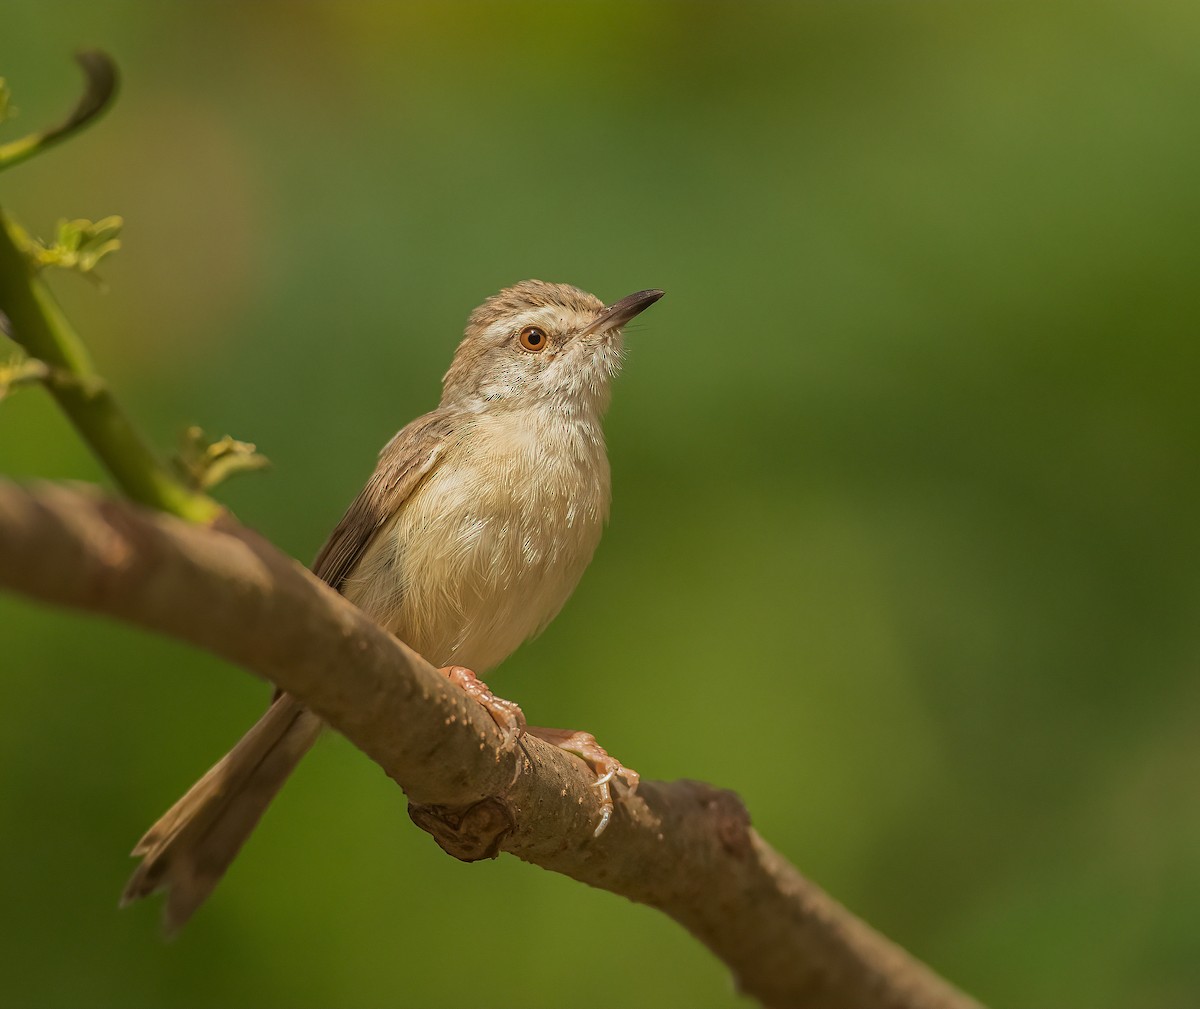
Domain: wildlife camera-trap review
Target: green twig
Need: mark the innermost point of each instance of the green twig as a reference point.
(31, 317)
(38, 325)
(101, 75)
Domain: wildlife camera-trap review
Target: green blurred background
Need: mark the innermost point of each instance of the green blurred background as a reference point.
(904, 545)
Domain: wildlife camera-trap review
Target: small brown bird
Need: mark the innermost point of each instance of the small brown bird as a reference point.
(466, 541)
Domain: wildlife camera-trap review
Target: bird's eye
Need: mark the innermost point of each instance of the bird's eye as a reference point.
(533, 339)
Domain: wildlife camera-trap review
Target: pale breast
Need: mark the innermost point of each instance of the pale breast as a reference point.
(490, 546)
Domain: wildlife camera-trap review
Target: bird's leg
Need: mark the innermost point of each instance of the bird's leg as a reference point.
(506, 714)
(606, 768)
(511, 720)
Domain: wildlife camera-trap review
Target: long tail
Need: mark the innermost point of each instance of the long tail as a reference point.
(188, 850)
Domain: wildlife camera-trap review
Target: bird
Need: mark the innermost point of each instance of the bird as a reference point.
(466, 541)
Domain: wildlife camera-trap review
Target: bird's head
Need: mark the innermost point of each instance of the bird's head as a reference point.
(535, 342)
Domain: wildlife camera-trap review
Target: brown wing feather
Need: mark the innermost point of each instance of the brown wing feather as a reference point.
(404, 462)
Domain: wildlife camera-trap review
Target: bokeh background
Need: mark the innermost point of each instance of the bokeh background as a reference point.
(904, 546)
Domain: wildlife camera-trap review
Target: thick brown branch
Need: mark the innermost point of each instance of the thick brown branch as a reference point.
(684, 847)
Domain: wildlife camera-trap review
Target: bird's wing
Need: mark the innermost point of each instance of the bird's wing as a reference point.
(404, 462)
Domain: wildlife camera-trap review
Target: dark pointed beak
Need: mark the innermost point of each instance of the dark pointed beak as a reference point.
(615, 316)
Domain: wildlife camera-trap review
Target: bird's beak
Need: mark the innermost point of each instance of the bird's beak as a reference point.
(615, 316)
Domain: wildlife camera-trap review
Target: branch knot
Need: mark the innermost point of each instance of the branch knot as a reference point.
(470, 834)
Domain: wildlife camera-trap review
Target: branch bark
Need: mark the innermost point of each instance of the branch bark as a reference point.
(683, 847)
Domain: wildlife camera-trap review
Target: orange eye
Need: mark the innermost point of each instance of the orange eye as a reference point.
(533, 339)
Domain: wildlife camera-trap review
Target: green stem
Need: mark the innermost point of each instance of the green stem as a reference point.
(100, 76)
(40, 327)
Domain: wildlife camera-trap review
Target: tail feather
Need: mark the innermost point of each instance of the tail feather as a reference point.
(188, 850)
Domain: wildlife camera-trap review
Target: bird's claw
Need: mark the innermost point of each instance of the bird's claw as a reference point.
(511, 721)
(507, 715)
(607, 768)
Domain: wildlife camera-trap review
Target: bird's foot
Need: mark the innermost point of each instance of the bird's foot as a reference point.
(506, 714)
(606, 768)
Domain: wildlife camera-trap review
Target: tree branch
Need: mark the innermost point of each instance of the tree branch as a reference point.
(683, 847)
